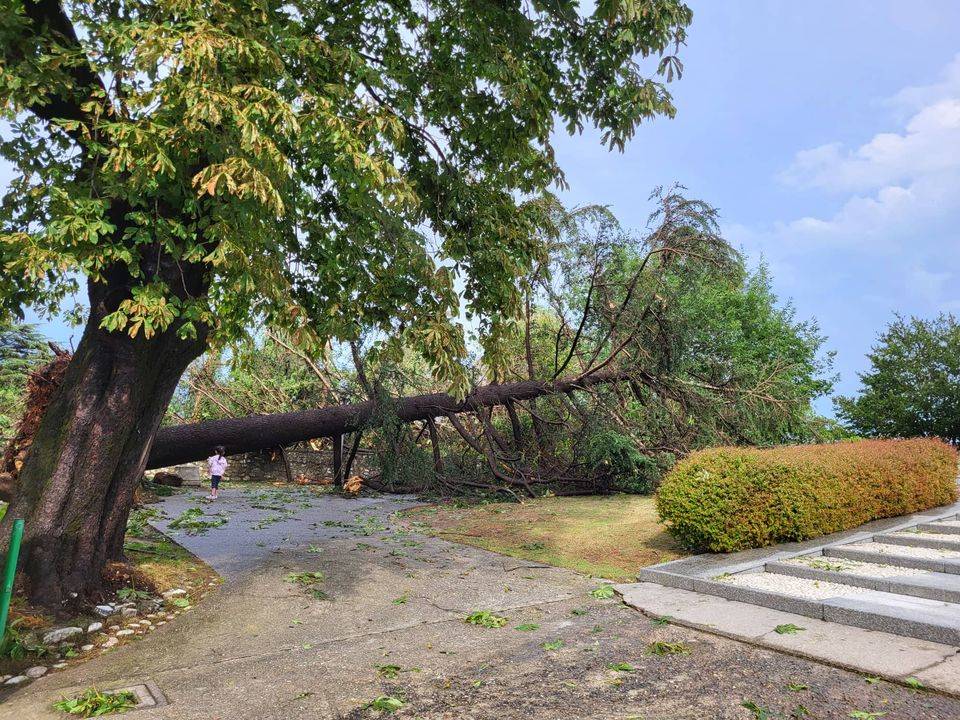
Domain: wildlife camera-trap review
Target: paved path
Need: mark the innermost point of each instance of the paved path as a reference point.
(260, 647)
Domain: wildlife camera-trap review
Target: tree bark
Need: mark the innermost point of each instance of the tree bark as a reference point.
(76, 486)
(186, 443)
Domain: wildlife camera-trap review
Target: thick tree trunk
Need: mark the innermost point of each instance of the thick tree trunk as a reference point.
(76, 486)
(186, 443)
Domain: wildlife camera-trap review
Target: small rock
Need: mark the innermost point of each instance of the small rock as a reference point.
(170, 616)
(162, 622)
(113, 627)
(121, 606)
(37, 671)
(104, 610)
(94, 627)
(16, 680)
(146, 622)
(124, 633)
(173, 593)
(60, 634)
(128, 612)
(86, 648)
(109, 642)
(4, 678)
(59, 666)
(152, 615)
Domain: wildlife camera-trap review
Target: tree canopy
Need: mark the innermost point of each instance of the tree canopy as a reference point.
(22, 350)
(693, 349)
(913, 385)
(325, 167)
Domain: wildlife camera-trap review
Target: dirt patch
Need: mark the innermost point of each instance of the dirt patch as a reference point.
(607, 536)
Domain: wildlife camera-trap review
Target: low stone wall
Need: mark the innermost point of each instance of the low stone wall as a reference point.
(315, 465)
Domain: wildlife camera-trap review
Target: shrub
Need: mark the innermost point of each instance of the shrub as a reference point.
(727, 499)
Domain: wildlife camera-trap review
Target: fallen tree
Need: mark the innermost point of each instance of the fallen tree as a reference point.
(194, 441)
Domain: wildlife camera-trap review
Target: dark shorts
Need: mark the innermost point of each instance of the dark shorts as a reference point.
(214, 481)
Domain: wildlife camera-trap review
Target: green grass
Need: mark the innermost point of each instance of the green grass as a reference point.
(608, 536)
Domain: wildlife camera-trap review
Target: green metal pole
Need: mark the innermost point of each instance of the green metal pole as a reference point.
(13, 554)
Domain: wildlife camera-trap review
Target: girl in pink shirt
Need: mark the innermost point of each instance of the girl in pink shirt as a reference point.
(217, 465)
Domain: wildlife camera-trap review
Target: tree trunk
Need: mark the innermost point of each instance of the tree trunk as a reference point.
(76, 486)
(185, 443)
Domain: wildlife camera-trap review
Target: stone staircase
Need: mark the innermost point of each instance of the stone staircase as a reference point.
(904, 581)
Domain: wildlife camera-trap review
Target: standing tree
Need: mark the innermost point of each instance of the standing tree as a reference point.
(913, 385)
(323, 167)
(22, 350)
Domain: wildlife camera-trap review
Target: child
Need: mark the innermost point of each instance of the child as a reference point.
(217, 464)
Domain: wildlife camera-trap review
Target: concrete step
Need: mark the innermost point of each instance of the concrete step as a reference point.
(920, 539)
(941, 527)
(883, 577)
(917, 617)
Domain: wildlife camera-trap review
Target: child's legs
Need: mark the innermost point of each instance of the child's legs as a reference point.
(214, 484)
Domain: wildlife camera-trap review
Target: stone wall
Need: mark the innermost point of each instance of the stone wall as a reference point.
(315, 465)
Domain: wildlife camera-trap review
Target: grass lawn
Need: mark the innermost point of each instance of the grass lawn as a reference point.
(610, 536)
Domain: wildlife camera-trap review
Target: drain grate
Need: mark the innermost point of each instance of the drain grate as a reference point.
(148, 695)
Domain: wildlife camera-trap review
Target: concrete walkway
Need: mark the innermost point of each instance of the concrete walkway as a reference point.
(261, 647)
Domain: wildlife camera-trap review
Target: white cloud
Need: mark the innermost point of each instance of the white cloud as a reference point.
(929, 143)
(893, 243)
(918, 96)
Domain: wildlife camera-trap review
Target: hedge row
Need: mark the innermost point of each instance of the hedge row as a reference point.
(727, 499)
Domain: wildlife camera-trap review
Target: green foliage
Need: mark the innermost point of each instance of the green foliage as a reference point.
(527, 627)
(788, 629)
(662, 647)
(195, 522)
(391, 672)
(622, 667)
(617, 460)
(22, 350)
(327, 167)
(93, 703)
(385, 703)
(131, 593)
(139, 517)
(485, 618)
(729, 499)
(18, 644)
(305, 578)
(604, 592)
(553, 645)
(911, 388)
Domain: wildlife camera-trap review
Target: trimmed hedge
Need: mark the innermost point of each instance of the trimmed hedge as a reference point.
(727, 499)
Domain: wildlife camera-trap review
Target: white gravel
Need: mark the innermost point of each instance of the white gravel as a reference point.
(946, 537)
(907, 550)
(951, 523)
(796, 587)
(854, 567)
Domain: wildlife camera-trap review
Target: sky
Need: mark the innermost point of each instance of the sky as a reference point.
(827, 133)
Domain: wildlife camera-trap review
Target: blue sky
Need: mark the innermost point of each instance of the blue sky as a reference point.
(828, 135)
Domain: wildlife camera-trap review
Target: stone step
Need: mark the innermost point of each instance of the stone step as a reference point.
(920, 539)
(883, 577)
(951, 527)
(921, 558)
(917, 617)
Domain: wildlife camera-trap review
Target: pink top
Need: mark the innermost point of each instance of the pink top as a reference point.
(217, 464)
